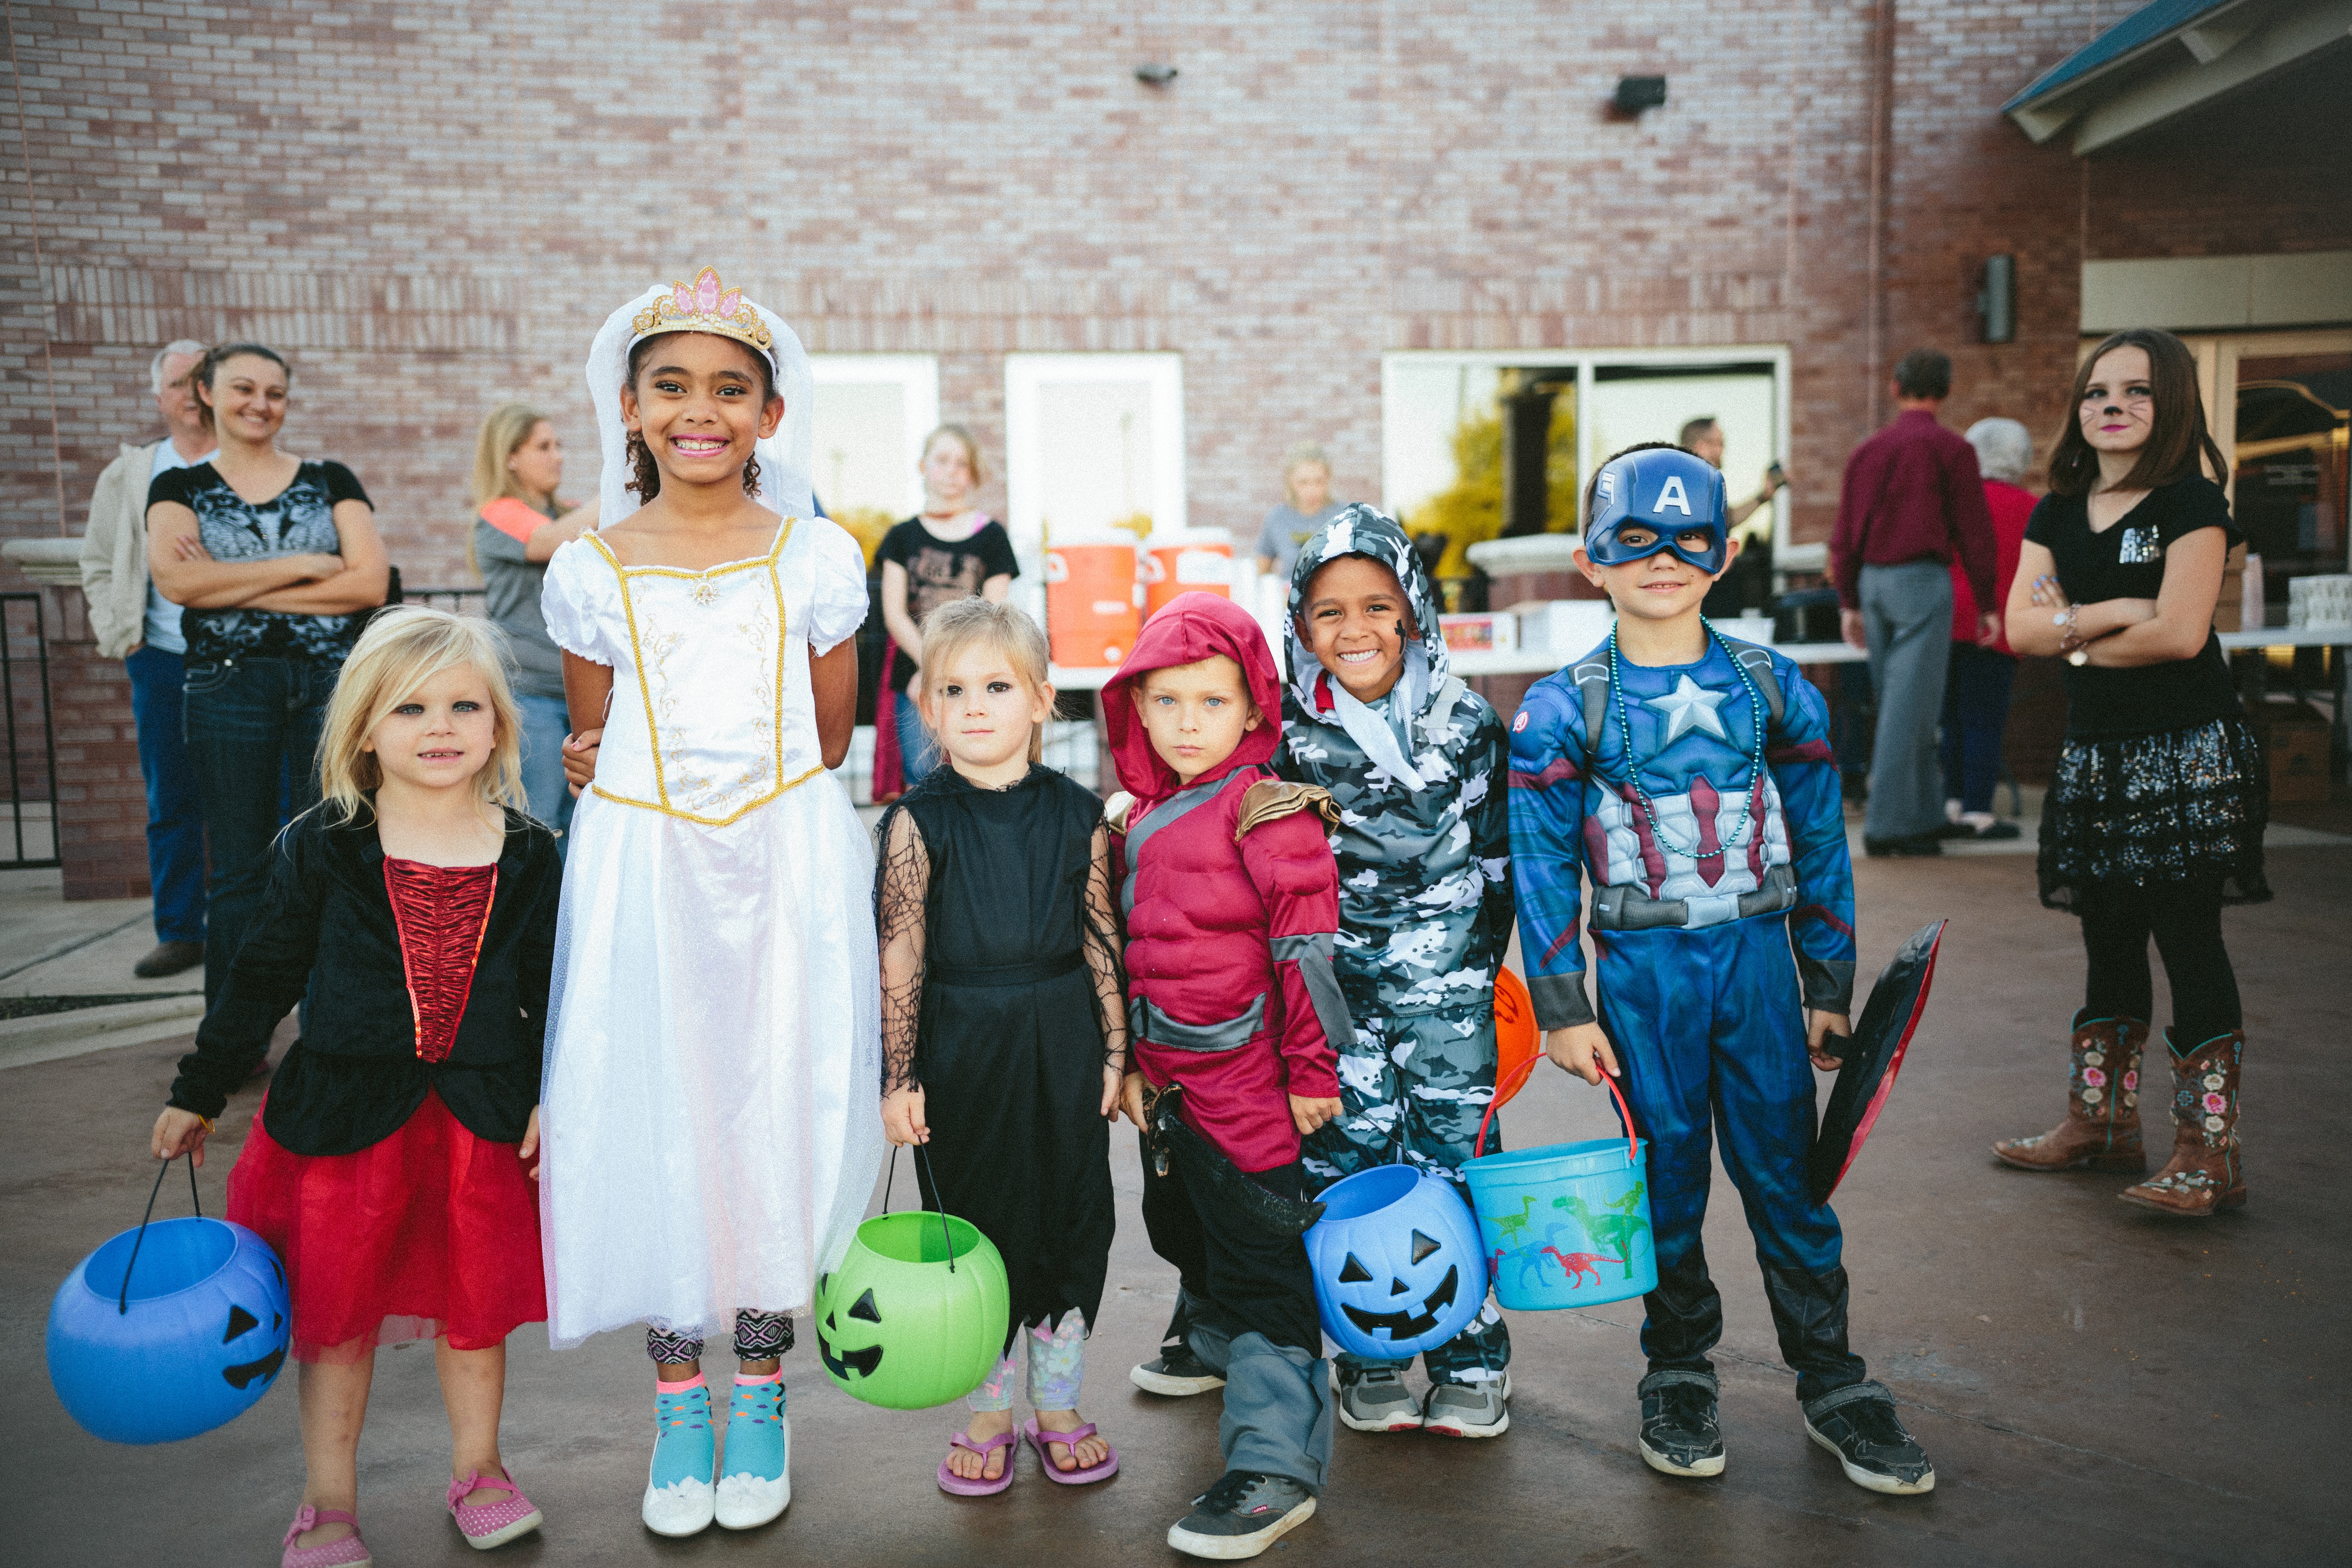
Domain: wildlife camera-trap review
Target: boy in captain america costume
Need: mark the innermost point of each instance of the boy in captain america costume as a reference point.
(1689, 777)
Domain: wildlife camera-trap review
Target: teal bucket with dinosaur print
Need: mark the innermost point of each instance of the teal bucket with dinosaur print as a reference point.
(1567, 1225)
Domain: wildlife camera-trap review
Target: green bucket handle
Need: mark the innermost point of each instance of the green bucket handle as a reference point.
(946, 1235)
(1632, 1144)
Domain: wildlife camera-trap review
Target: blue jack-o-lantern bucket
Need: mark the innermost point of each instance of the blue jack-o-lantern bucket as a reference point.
(168, 1331)
(1396, 1260)
(1567, 1225)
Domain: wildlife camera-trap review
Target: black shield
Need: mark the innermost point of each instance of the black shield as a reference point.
(1872, 1058)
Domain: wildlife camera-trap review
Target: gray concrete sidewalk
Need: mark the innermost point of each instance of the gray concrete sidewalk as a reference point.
(2094, 1383)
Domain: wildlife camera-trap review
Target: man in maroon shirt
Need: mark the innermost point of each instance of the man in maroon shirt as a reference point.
(1913, 501)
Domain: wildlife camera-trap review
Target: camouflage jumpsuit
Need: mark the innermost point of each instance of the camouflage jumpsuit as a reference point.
(1425, 902)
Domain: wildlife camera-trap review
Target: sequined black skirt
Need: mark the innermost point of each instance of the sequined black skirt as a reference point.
(2177, 808)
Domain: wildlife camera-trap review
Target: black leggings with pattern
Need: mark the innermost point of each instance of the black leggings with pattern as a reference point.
(758, 1336)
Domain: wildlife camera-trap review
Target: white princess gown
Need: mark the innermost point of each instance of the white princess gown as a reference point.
(711, 1110)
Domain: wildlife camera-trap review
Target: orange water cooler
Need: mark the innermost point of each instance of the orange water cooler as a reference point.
(1186, 563)
(1090, 613)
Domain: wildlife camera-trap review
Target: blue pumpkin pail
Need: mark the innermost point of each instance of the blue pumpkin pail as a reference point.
(1567, 1225)
(1396, 1261)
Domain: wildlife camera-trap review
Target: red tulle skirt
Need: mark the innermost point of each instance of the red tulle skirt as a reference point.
(431, 1232)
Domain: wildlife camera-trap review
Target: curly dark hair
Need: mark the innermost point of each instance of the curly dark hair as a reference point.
(647, 480)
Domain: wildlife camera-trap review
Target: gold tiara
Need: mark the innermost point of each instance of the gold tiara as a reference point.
(703, 306)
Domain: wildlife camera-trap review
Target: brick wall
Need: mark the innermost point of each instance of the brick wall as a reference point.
(432, 207)
(100, 808)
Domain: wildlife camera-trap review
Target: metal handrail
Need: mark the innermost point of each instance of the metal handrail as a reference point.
(20, 860)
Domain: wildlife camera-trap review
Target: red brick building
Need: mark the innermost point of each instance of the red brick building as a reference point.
(431, 209)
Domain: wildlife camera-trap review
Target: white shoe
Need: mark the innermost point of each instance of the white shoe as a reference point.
(685, 1508)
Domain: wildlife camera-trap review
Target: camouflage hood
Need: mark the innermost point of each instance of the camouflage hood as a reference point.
(1361, 531)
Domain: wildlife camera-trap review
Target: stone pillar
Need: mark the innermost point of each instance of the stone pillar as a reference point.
(100, 810)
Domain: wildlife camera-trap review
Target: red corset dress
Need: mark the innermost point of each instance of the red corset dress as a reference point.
(432, 1231)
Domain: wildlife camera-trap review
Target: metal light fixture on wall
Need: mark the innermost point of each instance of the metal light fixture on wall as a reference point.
(1636, 93)
(1155, 73)
(1997, 299)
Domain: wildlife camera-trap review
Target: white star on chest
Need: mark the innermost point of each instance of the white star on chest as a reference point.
(1690, 706)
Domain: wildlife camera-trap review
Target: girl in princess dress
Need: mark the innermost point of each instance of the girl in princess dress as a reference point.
(389, 1164)
(711, 1133)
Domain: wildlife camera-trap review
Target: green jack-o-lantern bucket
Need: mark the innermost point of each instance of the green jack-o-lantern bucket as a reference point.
(916, 1315)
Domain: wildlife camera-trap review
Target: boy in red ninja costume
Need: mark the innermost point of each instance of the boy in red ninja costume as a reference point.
(1232, 903)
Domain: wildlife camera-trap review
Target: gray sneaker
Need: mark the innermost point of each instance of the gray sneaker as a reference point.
(1858, 1423)
(1175, 1371)
(1375, 1399)
(1469, 1409)
(1241, 1516)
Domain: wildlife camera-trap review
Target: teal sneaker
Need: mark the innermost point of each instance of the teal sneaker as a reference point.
(679, 1500)
(753, 1484)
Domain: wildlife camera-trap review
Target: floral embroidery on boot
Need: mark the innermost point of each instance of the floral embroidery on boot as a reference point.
(2205, 1172)
(2102, 1125)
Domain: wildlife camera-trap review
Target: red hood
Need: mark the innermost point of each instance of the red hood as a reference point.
(1189, 628)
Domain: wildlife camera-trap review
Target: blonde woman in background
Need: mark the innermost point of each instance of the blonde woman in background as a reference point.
(1307, 506)
(518, 466)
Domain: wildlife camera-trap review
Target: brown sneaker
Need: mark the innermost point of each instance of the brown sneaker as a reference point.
(169, 958)
(2102, 1125)
(2206, 1173)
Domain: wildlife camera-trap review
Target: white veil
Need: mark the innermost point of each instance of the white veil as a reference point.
(785, 458)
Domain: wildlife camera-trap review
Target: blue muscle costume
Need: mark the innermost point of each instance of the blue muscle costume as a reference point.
(1722, 907)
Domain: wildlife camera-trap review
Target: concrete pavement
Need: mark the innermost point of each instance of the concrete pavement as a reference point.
(2094, 1383)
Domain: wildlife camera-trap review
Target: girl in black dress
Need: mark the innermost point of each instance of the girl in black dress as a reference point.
(1003, 1027)
(2154, 817)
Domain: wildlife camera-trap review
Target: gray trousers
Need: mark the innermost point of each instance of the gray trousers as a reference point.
(1274, 1395)
(1907, 616)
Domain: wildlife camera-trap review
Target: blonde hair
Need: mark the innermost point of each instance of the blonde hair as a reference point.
(964, 437)
(965, 623)
(508, 426)
(403, 648)
(1298, 457)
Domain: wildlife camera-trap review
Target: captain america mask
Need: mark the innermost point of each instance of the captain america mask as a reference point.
(1666, 491)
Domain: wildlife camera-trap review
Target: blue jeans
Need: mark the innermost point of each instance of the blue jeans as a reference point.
(253, 737)
(175, 811)
(917, 755)
(1976, 716)
(546, 721)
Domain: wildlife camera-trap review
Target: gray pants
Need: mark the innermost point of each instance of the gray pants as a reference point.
(1907, 616)
(1274, 1395)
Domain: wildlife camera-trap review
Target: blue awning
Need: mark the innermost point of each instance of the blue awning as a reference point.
(2151, 25)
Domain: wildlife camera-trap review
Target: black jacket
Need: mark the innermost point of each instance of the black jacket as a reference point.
(326, 936)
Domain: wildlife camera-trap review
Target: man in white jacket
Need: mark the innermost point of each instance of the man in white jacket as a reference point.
(134, 623)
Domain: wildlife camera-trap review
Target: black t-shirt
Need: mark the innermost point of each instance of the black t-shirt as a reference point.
(2126, 561)
(297, 521)
(941, 570)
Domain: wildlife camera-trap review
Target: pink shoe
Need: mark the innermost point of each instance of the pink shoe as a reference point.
(350, 1551)
(489, 1525)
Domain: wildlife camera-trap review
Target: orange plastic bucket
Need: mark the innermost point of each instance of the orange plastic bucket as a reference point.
(1186, 563)
(1518, 1042)
(1090, 613)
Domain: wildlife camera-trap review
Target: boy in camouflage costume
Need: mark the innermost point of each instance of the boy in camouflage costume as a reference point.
(1424, 846)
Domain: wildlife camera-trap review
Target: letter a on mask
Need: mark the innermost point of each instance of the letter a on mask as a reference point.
(1672, 496)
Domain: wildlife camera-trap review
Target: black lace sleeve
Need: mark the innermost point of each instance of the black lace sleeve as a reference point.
(1105, 945)
(902, 881)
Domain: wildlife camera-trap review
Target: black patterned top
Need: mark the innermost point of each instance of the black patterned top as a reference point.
(299, 519)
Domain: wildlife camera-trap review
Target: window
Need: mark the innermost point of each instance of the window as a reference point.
(1092, 441)
(872, 414)
(1457, 429)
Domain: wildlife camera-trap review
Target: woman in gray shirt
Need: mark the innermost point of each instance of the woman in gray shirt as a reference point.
(1307, 506)
(517, 464)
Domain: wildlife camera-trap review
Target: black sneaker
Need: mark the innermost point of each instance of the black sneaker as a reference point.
(1907, 848)
(1241, 1516)
(1858, 1423)
(1680, 1435)
(1175, 1371)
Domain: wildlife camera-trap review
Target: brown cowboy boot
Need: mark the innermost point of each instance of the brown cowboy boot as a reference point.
(2102, 1125)
(2205, 1172)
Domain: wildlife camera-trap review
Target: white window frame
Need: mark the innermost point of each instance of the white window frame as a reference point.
(1025, 457)
(917, 378)
(1585, 362)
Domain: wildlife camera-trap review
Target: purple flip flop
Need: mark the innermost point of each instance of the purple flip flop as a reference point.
(1076, 1435)
(977, 1486)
